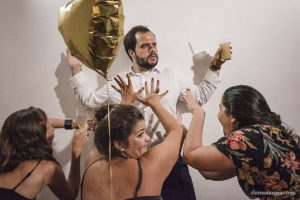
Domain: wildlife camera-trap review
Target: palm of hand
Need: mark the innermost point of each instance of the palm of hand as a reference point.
(190, 101)
(126, 90)
(152, 96)
(128, 95)
(150, 99)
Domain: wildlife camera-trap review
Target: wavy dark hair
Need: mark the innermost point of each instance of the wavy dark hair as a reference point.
(23, 137)
(130, 38)
(249, 107)
(122, 120)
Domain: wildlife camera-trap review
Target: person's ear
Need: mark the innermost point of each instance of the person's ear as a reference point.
(232, 119)
(131, 53)
(234, 122)
(119, 145)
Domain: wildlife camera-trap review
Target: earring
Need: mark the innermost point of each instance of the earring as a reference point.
(232, 127)
(124, 154)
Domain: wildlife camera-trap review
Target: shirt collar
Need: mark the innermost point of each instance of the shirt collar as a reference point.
(155, 69)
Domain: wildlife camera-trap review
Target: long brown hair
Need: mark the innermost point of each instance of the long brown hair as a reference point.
(23, 137)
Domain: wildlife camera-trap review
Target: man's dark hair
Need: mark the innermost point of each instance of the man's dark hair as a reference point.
(130, 39)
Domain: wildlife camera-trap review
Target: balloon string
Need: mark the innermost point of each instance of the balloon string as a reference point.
(109, 142)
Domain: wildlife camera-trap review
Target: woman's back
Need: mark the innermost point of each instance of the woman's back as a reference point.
(135, 171)
(27, 164)
(127, 177)
(27, 180)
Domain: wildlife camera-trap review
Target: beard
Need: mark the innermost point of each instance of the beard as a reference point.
(143, 63)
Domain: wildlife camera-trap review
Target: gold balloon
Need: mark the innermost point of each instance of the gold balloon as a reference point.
(93, 31)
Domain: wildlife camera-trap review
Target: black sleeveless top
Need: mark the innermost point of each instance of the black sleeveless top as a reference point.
(136, 189)
(11, 194)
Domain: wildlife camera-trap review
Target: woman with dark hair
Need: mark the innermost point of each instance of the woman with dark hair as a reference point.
(136, 172)
(256, 147)
(26, 161)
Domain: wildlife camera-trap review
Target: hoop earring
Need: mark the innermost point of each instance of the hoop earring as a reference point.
(124, 154)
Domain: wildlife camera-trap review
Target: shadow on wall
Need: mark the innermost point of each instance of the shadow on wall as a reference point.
(63, 89)
(201, 63)
(65, 94)
(68, 103)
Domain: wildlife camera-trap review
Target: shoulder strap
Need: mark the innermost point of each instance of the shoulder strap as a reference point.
(27, 175)
(140, 178)
(81, 184)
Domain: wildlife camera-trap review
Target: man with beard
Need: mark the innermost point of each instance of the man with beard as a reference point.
(140, 45)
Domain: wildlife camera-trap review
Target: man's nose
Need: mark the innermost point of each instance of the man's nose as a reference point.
(152, 47)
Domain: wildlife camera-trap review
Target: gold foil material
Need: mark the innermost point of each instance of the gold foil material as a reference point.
(93, 31)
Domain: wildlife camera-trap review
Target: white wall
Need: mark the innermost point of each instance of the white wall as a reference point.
(265, 37)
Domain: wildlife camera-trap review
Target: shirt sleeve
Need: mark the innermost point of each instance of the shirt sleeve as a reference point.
(204, 90)
(89, 97)
(238, 146)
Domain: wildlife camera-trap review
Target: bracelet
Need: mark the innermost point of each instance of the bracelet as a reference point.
(68, 124)
(214, 67)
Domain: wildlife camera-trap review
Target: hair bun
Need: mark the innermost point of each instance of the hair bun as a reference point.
(101, 113)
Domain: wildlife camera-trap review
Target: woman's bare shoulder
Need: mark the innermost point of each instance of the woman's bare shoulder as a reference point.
(49, 168)
(93, 156)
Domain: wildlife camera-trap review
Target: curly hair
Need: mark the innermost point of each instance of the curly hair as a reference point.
(130, 38)
(249, 107)
(23, 137)
(122, 120)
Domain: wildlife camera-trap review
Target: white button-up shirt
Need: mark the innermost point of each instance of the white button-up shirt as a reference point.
(167, 81)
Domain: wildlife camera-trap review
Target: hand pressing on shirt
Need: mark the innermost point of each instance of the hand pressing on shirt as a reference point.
(152, 97)
(191, 103)
(126, 90)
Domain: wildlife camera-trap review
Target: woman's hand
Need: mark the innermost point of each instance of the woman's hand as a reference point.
(90, 122)
(191, 103)
(127, 93)
(79, 139)
(152, 96)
